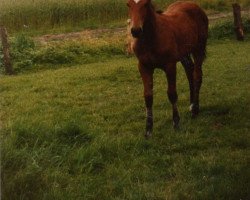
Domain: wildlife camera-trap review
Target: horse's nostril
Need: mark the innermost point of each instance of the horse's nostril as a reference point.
(136, 32)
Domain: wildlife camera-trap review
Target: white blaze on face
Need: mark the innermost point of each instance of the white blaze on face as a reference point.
(132, 22)
(137, 1)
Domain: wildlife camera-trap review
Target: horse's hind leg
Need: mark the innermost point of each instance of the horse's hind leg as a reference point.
(197, 78)
(189, 69)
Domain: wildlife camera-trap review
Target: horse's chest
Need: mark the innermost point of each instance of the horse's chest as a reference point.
(146, 57)
(154, 55)
(154, 59)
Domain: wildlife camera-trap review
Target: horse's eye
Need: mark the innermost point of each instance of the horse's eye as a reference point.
(128, 4)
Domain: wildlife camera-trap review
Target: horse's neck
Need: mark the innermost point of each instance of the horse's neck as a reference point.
(149, 28)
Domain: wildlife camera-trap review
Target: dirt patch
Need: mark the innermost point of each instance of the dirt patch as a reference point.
(217, 16)
(85, 34)
(98, 33)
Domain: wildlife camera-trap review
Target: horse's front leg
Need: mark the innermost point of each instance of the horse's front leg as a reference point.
(172, 94)
(147, 78)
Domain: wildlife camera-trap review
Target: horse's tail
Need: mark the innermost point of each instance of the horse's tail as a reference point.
(201, 20)
(203, 34)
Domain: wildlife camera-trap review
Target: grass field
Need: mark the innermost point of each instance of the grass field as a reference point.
(77, 132)
(44, 15)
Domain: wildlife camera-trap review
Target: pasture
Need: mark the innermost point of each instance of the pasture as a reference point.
(77, 133)
(72, 118)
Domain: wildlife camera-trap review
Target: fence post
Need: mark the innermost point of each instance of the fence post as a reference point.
(238, 27)
(6, 52)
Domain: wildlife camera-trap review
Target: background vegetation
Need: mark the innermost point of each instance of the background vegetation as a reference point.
(31, 55)
(19, 15)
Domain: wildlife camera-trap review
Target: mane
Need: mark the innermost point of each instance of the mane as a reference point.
(153, 8)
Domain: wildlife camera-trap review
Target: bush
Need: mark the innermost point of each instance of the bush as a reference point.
(54, 55)
(26, 55)
(225, 29)
(22, 42)
(22, 52)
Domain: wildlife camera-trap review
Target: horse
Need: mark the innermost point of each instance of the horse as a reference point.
(160, 40)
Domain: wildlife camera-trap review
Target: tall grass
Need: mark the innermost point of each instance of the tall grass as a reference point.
(39, 14)
(51, 13)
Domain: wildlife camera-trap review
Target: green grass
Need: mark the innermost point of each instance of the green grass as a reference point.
(40, 16)
(77, 132)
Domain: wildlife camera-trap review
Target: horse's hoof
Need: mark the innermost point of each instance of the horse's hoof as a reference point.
(148, 134)
(194, 115)
(176, 121)
(176, 125)
(194, 110)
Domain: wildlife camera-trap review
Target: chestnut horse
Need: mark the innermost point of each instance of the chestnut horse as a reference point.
(161, 39)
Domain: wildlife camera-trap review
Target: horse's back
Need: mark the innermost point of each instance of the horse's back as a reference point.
(190, 24)
(189, 9)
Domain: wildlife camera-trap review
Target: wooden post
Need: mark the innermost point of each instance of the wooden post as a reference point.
(6, 52)
(238, 27)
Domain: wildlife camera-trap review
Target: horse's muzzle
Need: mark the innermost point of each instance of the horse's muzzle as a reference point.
(136, 32)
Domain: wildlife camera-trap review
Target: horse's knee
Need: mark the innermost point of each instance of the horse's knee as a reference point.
(198, 81)
(148, 90)
(197, 75)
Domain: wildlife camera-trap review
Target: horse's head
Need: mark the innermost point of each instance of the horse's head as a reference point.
(138, 10)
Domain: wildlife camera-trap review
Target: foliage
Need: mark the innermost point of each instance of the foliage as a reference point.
(225, 29)
(30, 56)
(22, 43)
(22, 52)
(77, 133)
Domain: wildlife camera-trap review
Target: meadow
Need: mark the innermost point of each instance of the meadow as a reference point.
(77, 132)
(72, 117)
